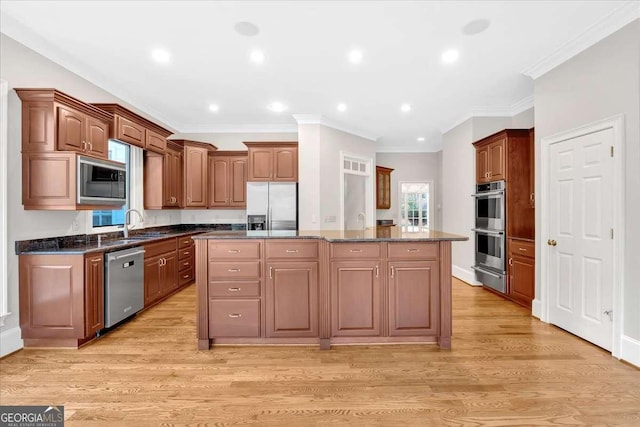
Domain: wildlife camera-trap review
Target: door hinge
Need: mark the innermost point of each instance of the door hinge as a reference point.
(611, 232)
(612, 151)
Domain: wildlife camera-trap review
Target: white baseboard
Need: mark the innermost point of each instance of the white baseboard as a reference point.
(536, 308)
(10, 341)
(465, 275)
(630, 350)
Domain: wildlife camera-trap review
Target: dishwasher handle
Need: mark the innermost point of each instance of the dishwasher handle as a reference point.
(114, 258)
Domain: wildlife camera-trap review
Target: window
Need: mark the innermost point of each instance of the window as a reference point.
(414, 206)
(121, 153)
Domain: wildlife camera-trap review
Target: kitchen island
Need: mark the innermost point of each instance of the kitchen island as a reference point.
(324, 287)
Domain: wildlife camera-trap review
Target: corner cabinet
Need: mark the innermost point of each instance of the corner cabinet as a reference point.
(383, 187)
(273, 161)
(61, 299)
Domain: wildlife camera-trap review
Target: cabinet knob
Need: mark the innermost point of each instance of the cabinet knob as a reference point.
(551, 242)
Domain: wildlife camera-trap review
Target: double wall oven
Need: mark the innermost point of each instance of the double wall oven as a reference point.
(490, 237)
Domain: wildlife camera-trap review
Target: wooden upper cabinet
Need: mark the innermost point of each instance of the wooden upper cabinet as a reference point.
(195, 166)
(273, 161)
(482, 164)
(497, 156)
(54, 121)
(383, 187)
(163, 178)
(494, 156)
(228, 179)
(134, 129)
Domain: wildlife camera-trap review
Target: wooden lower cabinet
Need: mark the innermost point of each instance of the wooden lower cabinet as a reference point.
(413, 298)
(61, 299)
(160, 270)
(355, 298)
(292, 299)
(522, 271)
(234, 318)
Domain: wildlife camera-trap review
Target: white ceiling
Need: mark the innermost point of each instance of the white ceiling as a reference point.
(306, 67)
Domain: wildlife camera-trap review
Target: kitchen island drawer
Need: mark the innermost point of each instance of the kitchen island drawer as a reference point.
(234, 318)
(355, 250)
(234, 270)
(234, 289)
(221, 249)
(291, 249)
(412, 250)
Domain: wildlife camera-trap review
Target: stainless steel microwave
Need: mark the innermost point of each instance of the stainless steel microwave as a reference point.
(101, 182)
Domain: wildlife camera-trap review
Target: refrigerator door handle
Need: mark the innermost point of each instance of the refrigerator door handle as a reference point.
(270, 218)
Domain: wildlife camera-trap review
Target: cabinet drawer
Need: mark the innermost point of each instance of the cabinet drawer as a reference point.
(185, 264)
(184, 253)
(291, 249)
(417, 250)
(154, 249)
(186, 276)
(355, 250)
(234, 250)
(184, 241)
(234, 318)
(234, 289)
(234, 270)
(522, 248)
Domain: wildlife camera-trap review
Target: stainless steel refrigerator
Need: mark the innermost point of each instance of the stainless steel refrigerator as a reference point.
(272, 206)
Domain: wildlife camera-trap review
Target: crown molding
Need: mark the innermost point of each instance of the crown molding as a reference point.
(611, 23)
(248, 128)
(319, 119)
(404, 150)
(510, 111)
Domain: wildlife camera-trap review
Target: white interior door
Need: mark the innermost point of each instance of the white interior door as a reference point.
(581, 222)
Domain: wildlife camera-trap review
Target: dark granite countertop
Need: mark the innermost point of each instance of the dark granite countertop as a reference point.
(369, 235)
(109, 242)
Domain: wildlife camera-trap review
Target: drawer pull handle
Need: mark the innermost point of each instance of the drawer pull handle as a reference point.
(522, 249)
(234, 251)
(186, 276)
(377, 271)
(392, 272)
(355, 250)
(413, 250)
(291, 251)
(234, 289)
(186, 263)
(234, 270)
(235, 315)
(270, 272)
(185, 253)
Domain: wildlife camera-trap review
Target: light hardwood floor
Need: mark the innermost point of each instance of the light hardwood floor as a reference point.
(505, 369)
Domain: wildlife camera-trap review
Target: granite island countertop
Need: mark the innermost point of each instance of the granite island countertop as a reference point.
(397, 234)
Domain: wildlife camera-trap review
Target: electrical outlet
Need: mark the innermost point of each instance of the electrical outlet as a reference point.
(75, 225)
(330, 218)
(193, 218)
(314, 219)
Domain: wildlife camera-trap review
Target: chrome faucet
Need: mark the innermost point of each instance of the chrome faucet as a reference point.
(364, 220)
(126, 221)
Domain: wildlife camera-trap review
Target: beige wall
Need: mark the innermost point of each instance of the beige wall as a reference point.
(424, 167)
(309, 177)
(600, 82)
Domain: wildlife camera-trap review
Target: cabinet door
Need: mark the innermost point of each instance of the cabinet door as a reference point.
(71, 128)
(168, 180)
(94, 294)
(260, 164)
(292, 299)
(386, 193)
(169, 273)
(497, 160)
(218, 181)
(195, 176)
(238, 182)
(130, 132)
(522, 280)
(482, 164)
(355, 298)
(152, 280)
(285, 164)
(413, 298)
(177, 179)
(155, 142)
(97, 138)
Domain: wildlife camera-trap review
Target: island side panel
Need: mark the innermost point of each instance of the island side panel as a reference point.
(444, 338)
(325, 297)
(202, 290)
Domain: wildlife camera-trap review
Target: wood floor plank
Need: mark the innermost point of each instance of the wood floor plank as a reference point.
(505, 369)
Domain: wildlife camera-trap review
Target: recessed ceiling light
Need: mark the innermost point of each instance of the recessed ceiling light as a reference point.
(257, 56)
(341, 107)
(160, 55)
(475, 27)
(214, 108)
(405, 108)
(248, 29)
(277, 107)
(450, 56)
(421, 138)
(355, 56)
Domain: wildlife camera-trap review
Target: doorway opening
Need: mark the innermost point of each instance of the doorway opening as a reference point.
(415, 206)
(356, 200)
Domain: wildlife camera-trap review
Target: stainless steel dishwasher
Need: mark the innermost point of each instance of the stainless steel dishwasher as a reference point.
(124, 284)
